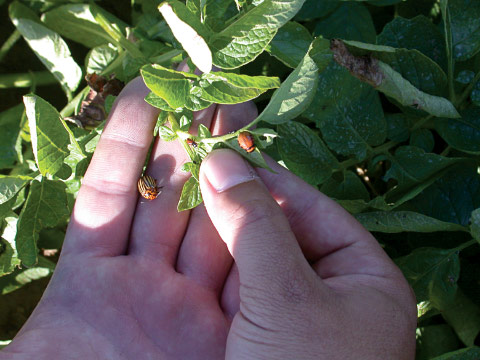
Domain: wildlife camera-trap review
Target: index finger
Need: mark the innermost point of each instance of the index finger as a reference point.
(104, 208)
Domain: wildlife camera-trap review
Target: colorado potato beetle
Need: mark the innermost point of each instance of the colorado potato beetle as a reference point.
(191, 142)
(245, 140)
(147, 186)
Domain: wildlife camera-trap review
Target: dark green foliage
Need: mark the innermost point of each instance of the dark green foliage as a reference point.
(376, 103)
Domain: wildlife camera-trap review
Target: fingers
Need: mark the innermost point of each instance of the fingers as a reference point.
(105, 204)
(328, 235)
(203, 256)
(253, 226)
(158, 228)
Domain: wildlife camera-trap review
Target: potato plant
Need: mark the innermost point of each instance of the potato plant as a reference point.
(376, 103)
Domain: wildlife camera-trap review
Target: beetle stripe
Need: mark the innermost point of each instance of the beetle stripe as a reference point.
(147, 186)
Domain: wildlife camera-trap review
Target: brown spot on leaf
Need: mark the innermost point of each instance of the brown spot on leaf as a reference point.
(364, 68)
(92, 108)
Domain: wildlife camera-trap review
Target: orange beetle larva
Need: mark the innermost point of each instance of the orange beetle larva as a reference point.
(191, 142)
(147, 186)
(245, 140)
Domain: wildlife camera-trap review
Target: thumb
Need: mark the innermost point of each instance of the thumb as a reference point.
(251, 223)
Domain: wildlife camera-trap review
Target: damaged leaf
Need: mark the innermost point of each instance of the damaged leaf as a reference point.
(385, 79)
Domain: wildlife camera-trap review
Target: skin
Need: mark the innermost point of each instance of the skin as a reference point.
(269, 268)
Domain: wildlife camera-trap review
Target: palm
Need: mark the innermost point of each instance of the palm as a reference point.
(130, 306)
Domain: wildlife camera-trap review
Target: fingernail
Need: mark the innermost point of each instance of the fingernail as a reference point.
(225, 169)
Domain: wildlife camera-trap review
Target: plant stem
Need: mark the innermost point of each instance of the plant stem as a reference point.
(117, 36)
(467, 244)
(7, 45)
(167, 56)
(344, 165)
(384, 147)
(222, 138)
(421, 122)
(446, 151)
(72, 138)
(115, 63)
(449, 49)
(25, 80)
(176, 129)
(70, 107)
(232, 135)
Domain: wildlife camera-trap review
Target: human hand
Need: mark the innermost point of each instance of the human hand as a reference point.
(137, 279)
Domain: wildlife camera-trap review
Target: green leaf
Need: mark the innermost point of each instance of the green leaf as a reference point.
(46, 206)
(248, 35)
(382, 2)
(9, 133)
(475, 94)
(49, 47)
(360, 24)
(158, 102)
(465, 30)
(471, 353)
(166, 134)
(204, 132)
(185, 14)
(314, 9)
(423, 138)
(185, 123)
(416, 68)
(192, 168)
(230, 88)
(191, 195)
(6, 207)
(304, 153)
(193, 42)
(23, 276)
(320, 53)
(465, 77)
(350, 116)
(99, 58)
(463, 133)
(413, 165)
(77, 22)
(433, 274)
(410, 34)
(396, 87)
(453, 197)
(400, 221)
(48, 134)
(170, 85)
(415, 171)
(290, 44)
(475, 224)
(295, 94)
(397, 127)
(11, 185)
(464, 316)
(434, 340)
(350, 187)
(419, 71)
(8, 256)
(213, 11)
(194, 100)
